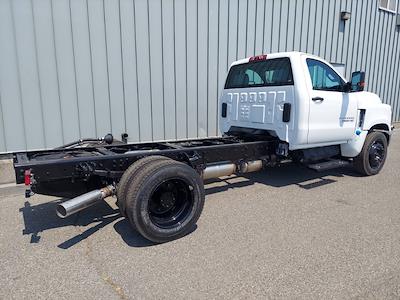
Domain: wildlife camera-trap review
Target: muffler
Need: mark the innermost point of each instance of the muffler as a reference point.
(81, 202)
(215, 171)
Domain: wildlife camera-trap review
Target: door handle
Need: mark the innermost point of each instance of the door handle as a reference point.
(317, 99)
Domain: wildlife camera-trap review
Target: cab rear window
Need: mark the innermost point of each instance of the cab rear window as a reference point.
(270, 72)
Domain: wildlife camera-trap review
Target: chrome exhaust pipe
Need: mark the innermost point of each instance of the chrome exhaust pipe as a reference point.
(215, 171)
(81, 202)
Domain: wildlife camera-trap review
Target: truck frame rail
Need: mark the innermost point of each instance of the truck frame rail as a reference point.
(98, 165)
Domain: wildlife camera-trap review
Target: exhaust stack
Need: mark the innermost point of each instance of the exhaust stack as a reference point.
(81, 202)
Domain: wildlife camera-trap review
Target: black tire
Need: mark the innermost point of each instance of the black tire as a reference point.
(165, 200)
(129, 175)
(372, 157)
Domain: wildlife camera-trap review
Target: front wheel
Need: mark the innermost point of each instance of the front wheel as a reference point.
(372, 157)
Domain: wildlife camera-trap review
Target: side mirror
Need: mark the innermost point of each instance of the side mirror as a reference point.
(357, 81)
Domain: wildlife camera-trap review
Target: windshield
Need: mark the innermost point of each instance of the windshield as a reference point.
(270, 72)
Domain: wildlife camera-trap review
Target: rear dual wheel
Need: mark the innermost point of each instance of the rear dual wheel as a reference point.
(129, 175)
(162, 198)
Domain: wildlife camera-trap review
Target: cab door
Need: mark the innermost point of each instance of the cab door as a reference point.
(332, 115)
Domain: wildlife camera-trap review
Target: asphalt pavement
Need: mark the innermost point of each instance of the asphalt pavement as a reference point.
(286, 232)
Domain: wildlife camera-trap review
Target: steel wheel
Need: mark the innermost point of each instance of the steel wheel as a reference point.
(376, 154)
(372, 157)
(170, 203)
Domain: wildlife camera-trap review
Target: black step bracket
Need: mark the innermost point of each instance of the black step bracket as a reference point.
(329, 165)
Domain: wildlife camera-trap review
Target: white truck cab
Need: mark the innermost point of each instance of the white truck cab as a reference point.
(301, 100)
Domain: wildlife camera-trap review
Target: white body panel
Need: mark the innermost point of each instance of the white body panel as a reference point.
(259, 108)
(332, 121)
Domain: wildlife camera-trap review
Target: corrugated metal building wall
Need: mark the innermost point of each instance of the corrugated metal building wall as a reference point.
(154, 69)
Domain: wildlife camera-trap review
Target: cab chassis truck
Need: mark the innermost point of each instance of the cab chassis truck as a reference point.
(278, 107)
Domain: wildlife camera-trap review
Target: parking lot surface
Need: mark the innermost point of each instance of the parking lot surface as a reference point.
(286, 232)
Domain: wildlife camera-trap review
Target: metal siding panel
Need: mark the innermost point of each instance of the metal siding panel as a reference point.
(168, 37)
(276, 21)
(394, 87)
(156, 71)
(202, 68)
(323, 37)
(335, 31)
(143, 65)
(251, 28)
(259, 30)
(283, 27)
(371, 44)
(28, 73)
(268, 26)
(311, 26)
(10, 93)
(361, 36)
(128, 39)
(396, 93)
(99, 66)
(376, 62)
(355, 38)
(232, 30)
(66, 69)
(341, 34)
(114, 64)
(3, 146)
(298, 25)
(291, 15)
(83, 68)
(191, 42)
(397, 86)
(389, 75)
(348, 39)
(222, 49)
(388, 62)
(384, 56)
(304, 26)
(375, 43)
(47, 68)
(377, 81)
(331, 29)
(212, 96)
(317, 28)
(242, 29)
(180, 69)
(213, 20)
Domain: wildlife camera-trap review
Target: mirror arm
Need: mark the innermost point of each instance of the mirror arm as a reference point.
(347, 87)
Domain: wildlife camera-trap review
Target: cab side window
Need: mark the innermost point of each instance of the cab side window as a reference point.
(324, 77)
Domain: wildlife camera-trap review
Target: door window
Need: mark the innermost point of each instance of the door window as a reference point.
(323, 77)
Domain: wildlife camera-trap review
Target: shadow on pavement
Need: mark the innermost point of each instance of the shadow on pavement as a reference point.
(284, 175)
(42, 217)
